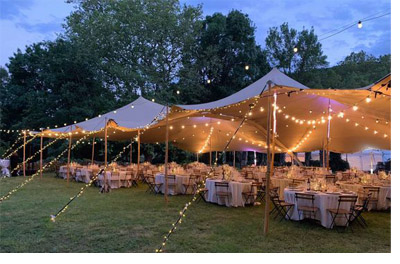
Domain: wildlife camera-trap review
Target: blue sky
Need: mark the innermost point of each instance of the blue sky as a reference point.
(23, 22)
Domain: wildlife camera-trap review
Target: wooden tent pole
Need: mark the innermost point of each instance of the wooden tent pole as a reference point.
(267, 178)
(197, 156)
(234, 159)
(105, 144)
(328, 135)
(69, 154)
(93, 142)
(138, 153)
(41, 155)
(23, 154)
(271, 171)
(130, 153)
(166, 158)
(210, 154)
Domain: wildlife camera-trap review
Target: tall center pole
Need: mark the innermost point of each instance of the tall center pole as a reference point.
(328, 135)
(210, 153)
(23, 154)
(93, 142)
(41, 154)
(130, 153)
(166, 157)
(105, 145)
(234, 159)
(138, 153)
(69, 154)
(267, 178)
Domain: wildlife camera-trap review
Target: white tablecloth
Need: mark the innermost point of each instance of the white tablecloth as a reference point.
(180, 180)
(63, 171)
(4, 165)
(235, 189)
(83, 175)
(282, 183)
(114, 182)
(384, 193)
(323, 202)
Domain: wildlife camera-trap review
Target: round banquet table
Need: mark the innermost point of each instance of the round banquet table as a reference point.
(384, 193)
(114, 183)
(180, 180)
(282, 183)
(4, 165)
(63, 171)
(323, 201)
(83, 175)
(235, 188)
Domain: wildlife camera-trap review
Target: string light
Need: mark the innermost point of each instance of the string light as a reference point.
(65, 207)
(7, 196)
(359, 24)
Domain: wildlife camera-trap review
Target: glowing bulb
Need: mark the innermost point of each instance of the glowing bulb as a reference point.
(247, 67)
(295, 49)
(208, 81)
(359, 24)
(368, 99)
(355, 107)
(341, 114)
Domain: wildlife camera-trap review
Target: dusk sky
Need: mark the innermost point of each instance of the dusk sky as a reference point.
(23, 22)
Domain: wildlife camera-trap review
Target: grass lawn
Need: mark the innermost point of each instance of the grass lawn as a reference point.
(130, 220)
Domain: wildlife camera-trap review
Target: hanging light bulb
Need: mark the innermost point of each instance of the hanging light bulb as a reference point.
(359, 24)
(247, 67)
(208, 81)
(295, 50)
(355, 107)
(178, 92)
(368, 99)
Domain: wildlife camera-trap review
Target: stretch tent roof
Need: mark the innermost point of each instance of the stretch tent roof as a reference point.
(123, 122)
(302, 117)
(301, 110)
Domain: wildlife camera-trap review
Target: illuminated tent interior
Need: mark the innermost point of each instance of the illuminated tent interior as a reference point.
(358, 118)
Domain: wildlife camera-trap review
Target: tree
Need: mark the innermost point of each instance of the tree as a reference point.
(226, 46)
(140, 45)
(292, 51)
(51, 83)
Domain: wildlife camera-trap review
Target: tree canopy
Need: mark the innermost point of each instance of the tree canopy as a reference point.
(113, 51)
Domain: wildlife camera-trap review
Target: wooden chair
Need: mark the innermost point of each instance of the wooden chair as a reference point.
(305, 205)
(249, 175)
(172, 183)
(251, 195)
(281, 207)
(374, 191)
(151, 184)
(340, 212)
(222, 191)
(330, 178)
(191, 184)
(359, 210)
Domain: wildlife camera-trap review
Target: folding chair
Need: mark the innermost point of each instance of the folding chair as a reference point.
(222, 191)
(340, 212)
(374, 191)
(250, 196)
(191, 184)
(281, 207)
(305, 205)
(359, 209)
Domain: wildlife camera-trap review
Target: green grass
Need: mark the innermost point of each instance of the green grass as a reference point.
(130, 220)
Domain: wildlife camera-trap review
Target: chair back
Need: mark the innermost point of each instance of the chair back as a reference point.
(331, 178)
(347, 199)
(298, 181)
(374, 191)
(171, 179)
(249, 175)
(306, 199)
(221, 187)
